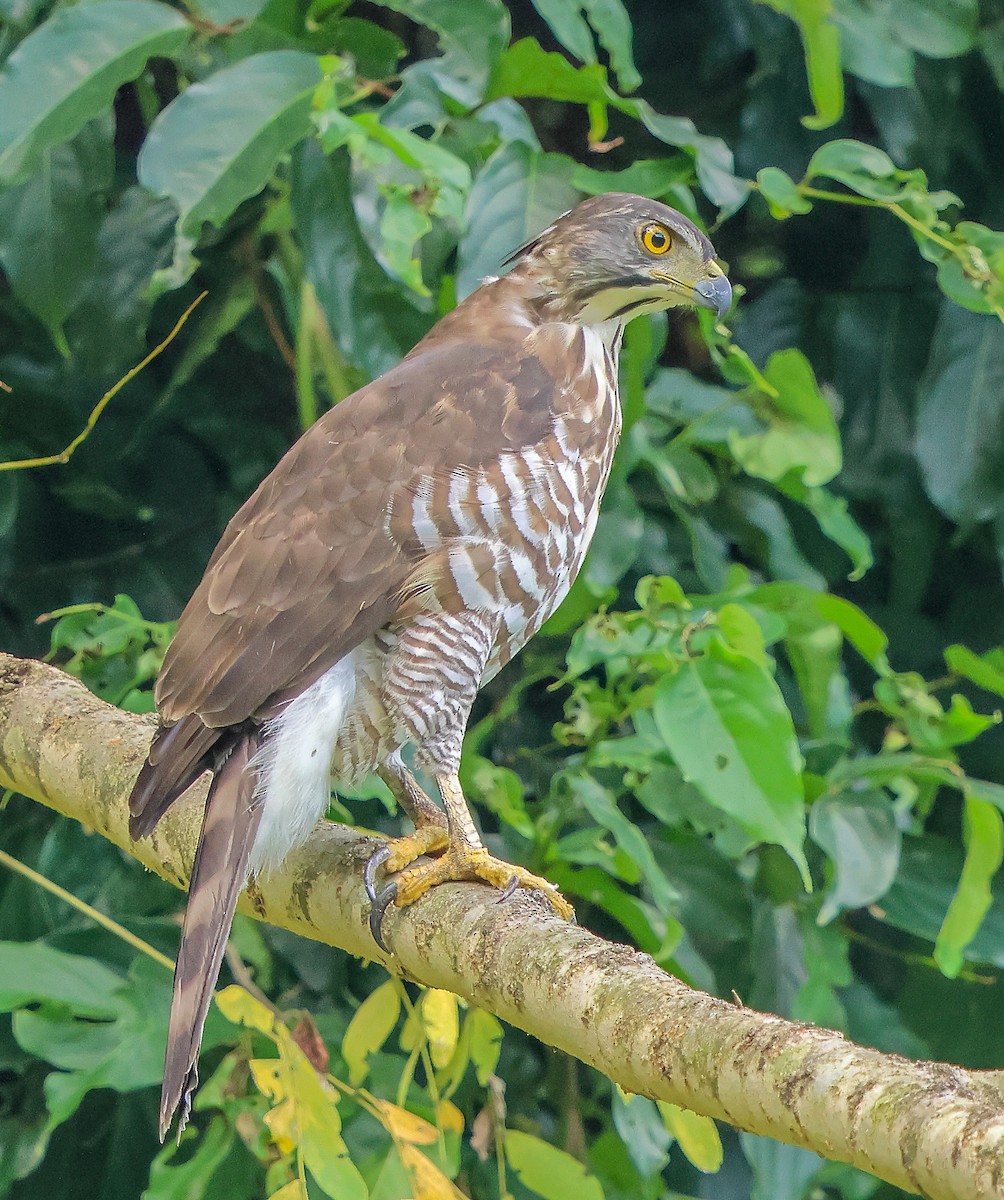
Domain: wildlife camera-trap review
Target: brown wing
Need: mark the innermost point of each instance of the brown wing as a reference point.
(308, 567)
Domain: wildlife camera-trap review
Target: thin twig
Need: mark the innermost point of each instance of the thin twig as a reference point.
(63, 457)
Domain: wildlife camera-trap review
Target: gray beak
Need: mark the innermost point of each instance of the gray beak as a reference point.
(714, 293)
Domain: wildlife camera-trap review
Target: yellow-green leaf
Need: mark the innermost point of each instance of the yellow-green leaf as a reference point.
(294, 1190)
(427, 1180)
(405, 1126)
(697, 1136)
(369, 1028)
(549, 1172)
(320, 1128)
(281, 1122)
(441, 1020)
(238, 1005)
(486, 1043)
(270, 1078)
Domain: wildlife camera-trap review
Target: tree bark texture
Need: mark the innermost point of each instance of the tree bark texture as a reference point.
(929, 1128)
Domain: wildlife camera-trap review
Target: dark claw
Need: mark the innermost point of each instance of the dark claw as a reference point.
(373, 864)
(509, 890)
(378, 907)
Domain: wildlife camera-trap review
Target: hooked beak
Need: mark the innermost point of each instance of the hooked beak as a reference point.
(715, 292)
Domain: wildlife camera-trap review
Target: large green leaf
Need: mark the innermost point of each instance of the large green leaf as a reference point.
(475, 31)
(570, 23)
(937, 28)
(527, 70)
(100, 1029)
(713, 160)
(369, 317)
(858, 831)
(219, 142)
(49, 224)
(69, 69)
(604, 811)
(517, 194)
(869, 45)
(960, 419)
(725, 722)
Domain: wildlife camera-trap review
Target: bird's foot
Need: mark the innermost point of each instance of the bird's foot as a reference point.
(458, 863)
(397, 853)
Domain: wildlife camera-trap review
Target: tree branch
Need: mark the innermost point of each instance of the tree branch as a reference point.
(927, 1127)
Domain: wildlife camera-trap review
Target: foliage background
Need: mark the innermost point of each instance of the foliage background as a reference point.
(332, 207)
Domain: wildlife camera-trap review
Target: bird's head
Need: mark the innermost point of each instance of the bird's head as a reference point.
(616, 256)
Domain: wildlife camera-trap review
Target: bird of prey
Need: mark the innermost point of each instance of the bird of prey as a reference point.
(397, 557)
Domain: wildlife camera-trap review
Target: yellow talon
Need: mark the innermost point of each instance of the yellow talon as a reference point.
(460, 863)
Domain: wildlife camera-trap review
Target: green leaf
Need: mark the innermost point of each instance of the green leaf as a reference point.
(960, 417)
(368, 315)
(868, 171)
(518, 192)
(821, 39)
(49, 224)
(547, 1171)
(984, 838)
(780, 1172)
(937, 28)
(569, 26)
(68, 71)
(742, 633)
(860, 630)
(870, 47)
(604, 811)
(815, 657)
(781, 193)
(802, 437)
(653, 177)
(192, 1174)
(31, 972)
(857, 829)
(920, 897)
(640, 1127)
(474, 33)
(713, 160)
(219, 142)
(527, 70)
(985, 670)
(725, 722)
(228, 12)
(402, 226)
(101, 1030)
(612, 23)
(834, 519)
(371, 1025)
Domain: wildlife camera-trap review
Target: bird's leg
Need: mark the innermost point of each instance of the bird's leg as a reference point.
(465, 858)
(430, 828)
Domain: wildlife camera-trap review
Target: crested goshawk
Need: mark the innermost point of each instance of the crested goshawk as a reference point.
(397, 557)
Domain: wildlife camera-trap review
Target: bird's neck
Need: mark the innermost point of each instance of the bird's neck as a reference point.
(514, 307)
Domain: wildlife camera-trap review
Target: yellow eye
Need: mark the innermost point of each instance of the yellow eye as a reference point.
(656, 238)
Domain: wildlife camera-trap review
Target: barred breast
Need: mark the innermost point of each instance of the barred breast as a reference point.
(496, 549)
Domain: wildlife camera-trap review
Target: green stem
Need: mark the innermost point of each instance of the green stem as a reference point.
(82, 907)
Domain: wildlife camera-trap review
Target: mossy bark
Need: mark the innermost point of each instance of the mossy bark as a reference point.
(930, 1128)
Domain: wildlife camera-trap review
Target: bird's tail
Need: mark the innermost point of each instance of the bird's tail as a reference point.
(218, 876)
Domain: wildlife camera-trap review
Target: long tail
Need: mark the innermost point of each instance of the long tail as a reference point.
(218, 875)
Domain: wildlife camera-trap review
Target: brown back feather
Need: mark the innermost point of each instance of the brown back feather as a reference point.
(310, 566)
